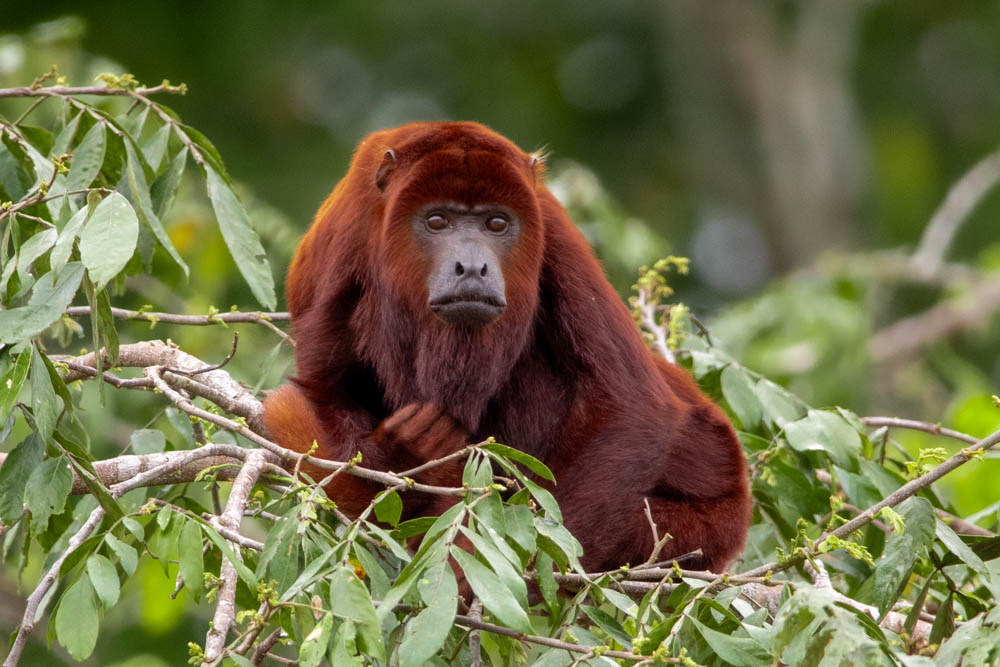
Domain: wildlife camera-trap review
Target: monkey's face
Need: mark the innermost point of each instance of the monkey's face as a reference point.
(465, 247)
(461, 229)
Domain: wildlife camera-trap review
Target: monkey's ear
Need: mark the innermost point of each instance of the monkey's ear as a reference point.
(536, 162)
(385, 170)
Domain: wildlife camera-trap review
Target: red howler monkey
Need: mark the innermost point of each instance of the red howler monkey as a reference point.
(441, 296)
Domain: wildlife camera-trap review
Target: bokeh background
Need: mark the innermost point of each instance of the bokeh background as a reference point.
(794, 150)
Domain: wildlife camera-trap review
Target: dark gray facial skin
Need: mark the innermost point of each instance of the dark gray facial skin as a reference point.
(466, 247)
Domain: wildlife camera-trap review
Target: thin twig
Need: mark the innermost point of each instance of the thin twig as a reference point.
(233, 317)
(658, 542)
(926, 427)
(470, 622)
(70, 91)
(213, 367)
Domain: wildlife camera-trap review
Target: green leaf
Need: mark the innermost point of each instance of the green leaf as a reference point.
(76, 620)
(738, 390)
(104, 578)
(426, 633)
(208, 152)
(492, 593)
(242, 570)
(350, 599)
(46, 305)
(944, 620)
(345, 646)
(34, 248)
(827, 432)
(520, 526)
(779, 405)
(109, 239)
(12, 381)
(241, 239)
(165, 187)
(976, 642)
(902, 551)
(389, 508)
(527, 460)
(87, 158)
(239, 660)
(66, 135)
(126, 553)
(144, 206)
(547, 584)
(500, 565)
(67, 236)
(156, 147)
(607, 622)
(963, 551)
(14, 474)
(279, 559)
(560, 538)
(45, 406)
(134, 527)
(313, 648)
(46, 490)
(16, 171)
(147, 441)
(744, 651)
(189, 553)
(57, 383)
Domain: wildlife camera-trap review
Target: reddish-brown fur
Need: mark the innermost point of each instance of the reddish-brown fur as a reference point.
(563, 374)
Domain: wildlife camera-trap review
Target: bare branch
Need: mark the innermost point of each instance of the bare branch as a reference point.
(72, 91)
(223, 389)
(927, 427)
(123, 468)
(961, 200)
(475, 638)
(905, 337)
(225, 609)
(233, 317)
(470, 622)
(261, 651)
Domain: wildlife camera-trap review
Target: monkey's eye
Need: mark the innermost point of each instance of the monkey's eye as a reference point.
(497, 225)
(436, 222)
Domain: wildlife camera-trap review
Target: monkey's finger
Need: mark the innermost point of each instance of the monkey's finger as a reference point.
(437, 441)
(416, 425)
(392, 423)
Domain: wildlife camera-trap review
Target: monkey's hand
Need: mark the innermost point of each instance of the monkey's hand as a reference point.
(423, 430)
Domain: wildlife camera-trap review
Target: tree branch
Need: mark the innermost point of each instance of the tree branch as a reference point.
(222, 388)
(906, 336)
(71, 91)
(961, 200)
(225, 609)
(155, 317)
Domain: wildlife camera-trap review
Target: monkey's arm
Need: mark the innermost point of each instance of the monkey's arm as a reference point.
(412, 435)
